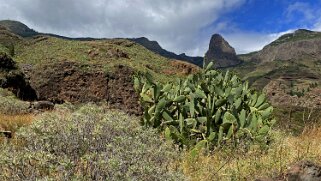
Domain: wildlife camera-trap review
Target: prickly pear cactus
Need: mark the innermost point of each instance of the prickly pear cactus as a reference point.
(208, 106)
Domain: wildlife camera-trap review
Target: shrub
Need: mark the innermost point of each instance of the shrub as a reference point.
(88, 144)
(10, 104)
(207, 108)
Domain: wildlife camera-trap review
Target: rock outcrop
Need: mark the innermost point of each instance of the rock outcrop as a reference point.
(221, 53)
(12, 78)
(301, 171)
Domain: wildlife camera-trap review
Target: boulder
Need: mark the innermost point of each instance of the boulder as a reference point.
(42, 105)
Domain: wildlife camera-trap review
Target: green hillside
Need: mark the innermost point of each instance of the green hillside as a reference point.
(301, 34)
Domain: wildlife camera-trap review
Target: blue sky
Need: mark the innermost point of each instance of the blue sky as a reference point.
(266, 20)
(178, 25)
(275, 15)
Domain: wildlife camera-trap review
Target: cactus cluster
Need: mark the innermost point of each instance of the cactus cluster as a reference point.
(208, 107)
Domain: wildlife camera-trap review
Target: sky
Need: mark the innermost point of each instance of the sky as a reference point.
(180, 26)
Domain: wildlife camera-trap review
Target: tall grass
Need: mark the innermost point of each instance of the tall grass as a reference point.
(238, 164)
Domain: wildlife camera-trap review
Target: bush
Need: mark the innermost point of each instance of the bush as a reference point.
(10, 104)
(207, 108)
(88, 144)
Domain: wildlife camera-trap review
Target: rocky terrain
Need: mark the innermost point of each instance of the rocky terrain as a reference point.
(221, 53)
(43, 67)
(53, 69)
(300, 45)
(289, 68)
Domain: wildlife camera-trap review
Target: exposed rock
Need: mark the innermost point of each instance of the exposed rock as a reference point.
(301, 171)
(42, 105)
(277, 94)
(304, 171)
(221, 53)
(13, 79)
(6, 62)
(181, 68)
(67, 82)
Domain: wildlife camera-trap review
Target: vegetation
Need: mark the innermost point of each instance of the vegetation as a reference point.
(213, 109)
(90, 143)
(99, 54)
(300, 34)
(11, 105)
(206, 108)
(250, 164)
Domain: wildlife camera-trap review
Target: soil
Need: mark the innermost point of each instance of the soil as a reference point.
(76, 83)
(181, 68)
(279, 97)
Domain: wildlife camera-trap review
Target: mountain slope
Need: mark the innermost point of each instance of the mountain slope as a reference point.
(155, 47)
(63, 70)
(18, 28)
(22, 30)
(288, 69)
(302, 44)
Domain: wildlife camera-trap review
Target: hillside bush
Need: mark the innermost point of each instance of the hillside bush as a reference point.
(207, 108)
(88, 144)
(10, 104)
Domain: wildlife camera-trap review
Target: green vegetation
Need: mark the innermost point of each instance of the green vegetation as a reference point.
(11, 105)
(90, 143)
(209, 109)
(101, 54)
(298, 35)
(206, 108)
(18, 28)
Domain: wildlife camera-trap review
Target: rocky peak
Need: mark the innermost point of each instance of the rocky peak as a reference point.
(221, 53)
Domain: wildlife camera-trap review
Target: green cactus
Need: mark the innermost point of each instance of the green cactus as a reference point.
(207, 106)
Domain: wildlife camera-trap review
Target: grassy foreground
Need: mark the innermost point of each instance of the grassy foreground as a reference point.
(92, 142)
(238, 164)
(86, 143)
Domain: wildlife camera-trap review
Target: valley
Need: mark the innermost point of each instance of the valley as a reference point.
(98, 112)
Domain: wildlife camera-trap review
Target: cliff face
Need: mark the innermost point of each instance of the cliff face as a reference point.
(221, 53)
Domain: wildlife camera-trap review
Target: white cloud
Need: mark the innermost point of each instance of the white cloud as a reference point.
(300, 7)
(176, 25)
(245, 42)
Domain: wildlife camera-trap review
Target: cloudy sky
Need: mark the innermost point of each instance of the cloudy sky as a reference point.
(178, 25)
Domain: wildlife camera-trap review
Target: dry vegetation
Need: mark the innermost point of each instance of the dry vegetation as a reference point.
(48, 137)
(89, 143)
(237, 164)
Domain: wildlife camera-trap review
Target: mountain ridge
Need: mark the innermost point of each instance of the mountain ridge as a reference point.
(24, 31)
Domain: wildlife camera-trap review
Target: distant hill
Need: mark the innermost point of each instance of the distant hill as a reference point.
(22, 30)
(18, 28)
(155, 47)
(289, 68)
(63, 69)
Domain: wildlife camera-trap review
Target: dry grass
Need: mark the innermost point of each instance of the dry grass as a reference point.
(14, 122)
(228, 164)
